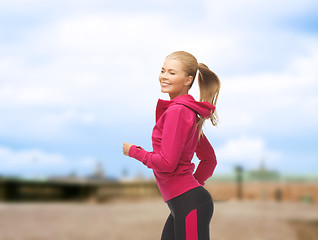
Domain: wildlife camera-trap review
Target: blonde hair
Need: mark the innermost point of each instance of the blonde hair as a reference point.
(209, 83)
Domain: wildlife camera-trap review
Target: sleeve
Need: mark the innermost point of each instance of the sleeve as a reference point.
(176, 127)
(207, 158)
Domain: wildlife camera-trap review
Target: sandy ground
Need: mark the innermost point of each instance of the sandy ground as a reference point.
(144, 219)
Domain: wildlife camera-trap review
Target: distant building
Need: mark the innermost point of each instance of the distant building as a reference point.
(263, 174)
(99, 173)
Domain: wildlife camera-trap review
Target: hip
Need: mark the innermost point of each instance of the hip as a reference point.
(190, 200)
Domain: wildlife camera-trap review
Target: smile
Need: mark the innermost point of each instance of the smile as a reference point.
(164, 84)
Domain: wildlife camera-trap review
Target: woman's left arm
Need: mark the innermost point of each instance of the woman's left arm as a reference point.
(206, 155)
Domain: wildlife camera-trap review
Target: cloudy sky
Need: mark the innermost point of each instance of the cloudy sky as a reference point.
(79, 78)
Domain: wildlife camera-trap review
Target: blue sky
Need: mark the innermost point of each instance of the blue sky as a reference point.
(79, 78)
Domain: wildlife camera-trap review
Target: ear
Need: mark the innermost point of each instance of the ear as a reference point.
(188, 81)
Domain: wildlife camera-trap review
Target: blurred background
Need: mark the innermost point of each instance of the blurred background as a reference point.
(79, 78)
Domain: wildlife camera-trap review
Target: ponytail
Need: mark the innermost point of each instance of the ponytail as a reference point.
(209, 85)
(209, 82)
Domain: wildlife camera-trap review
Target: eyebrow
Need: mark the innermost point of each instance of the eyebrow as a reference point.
(170, 69)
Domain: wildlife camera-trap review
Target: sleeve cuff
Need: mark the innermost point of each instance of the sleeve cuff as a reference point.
(138, 153)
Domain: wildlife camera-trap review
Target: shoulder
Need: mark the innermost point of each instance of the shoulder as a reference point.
(180, 110)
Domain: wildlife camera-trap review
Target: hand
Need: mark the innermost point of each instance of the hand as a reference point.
(126, 147)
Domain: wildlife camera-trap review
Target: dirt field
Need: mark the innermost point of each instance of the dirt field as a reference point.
(143, 220)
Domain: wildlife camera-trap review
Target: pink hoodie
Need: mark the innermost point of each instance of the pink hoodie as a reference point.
(175, 140)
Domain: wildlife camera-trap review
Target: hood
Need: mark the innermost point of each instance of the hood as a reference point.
(204, 109)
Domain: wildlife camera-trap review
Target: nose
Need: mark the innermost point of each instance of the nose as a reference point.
(164, 75)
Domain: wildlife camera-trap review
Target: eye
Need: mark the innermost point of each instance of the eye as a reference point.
(172, 73)
(162, 71)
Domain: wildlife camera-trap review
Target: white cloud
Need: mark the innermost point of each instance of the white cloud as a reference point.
(88, 61)
(273, 102)
(36, 158)
(247, 151)
(39, 163)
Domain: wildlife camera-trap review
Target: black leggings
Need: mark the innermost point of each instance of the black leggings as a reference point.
(190, 216)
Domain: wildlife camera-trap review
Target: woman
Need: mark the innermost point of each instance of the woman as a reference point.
(176, 136)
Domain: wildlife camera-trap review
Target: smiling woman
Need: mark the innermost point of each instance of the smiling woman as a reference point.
(176, 136)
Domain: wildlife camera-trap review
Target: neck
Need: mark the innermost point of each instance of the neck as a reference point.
(172, 96)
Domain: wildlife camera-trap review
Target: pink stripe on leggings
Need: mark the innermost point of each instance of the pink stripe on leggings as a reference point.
(191, 226)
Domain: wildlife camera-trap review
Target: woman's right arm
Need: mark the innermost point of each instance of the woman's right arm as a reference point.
(177, 124)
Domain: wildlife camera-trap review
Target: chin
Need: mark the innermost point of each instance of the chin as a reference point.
(164, 91)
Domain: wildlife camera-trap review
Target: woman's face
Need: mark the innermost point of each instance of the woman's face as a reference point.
(173, 79)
